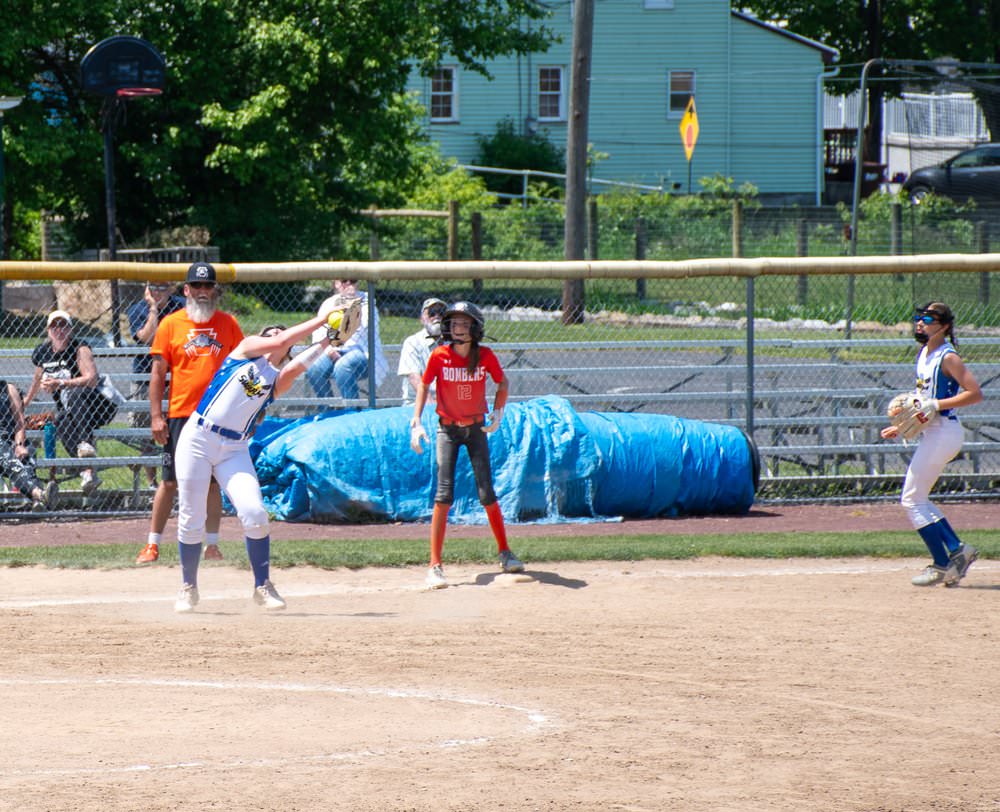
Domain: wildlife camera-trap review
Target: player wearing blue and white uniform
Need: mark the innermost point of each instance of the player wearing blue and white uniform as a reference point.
(944, 379)
(214, 443)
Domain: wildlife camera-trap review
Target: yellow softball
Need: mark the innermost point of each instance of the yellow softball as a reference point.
(334, 319)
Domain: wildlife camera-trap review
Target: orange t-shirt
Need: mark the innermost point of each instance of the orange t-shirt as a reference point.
(193, 352)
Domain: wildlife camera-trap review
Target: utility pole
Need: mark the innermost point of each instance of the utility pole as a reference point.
(576, 156)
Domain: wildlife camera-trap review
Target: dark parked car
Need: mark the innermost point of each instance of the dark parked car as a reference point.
(974, 173)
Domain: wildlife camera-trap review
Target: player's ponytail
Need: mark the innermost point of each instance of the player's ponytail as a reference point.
(473, 357)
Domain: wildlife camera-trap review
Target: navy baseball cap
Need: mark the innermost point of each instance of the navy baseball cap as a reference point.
(201, 272)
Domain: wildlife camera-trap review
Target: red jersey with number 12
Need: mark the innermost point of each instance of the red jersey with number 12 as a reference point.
(460, 394)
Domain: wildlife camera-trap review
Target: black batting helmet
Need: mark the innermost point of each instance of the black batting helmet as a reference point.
(464, 309)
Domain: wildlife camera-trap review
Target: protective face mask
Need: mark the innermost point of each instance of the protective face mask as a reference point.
(920, 338)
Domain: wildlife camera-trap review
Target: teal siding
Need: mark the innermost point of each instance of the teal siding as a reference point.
(776, 111)
(756, 96)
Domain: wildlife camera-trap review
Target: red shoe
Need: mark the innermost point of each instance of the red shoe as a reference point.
(149, 554)
(213, 553)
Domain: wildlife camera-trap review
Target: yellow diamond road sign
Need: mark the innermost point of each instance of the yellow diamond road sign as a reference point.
(689, 128)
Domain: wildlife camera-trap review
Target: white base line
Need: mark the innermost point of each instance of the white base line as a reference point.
(536, 722)
(805, 568)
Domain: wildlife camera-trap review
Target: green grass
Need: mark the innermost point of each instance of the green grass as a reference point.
(376, 552)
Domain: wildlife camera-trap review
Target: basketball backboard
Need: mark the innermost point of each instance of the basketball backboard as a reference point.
(123, 63)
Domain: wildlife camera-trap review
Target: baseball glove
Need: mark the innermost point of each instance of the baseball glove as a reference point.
(344, 321)
(911, 413)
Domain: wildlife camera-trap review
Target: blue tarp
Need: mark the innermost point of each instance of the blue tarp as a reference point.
(550, 463)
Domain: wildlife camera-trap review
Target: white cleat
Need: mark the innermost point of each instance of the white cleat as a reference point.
(963, 558)
(187, 599)
(267, 596)
(934, 575)
(435, 578)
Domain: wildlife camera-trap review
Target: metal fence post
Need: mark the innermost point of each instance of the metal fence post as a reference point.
(802, 250)
(751, 295)
(983, 247)
(373, 248)
(476, 235)
(640, 254)
(372, 311)
(593, 229)
(452, 230)
(737, 229)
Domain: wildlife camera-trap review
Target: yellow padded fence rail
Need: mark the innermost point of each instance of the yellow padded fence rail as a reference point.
(249, 272)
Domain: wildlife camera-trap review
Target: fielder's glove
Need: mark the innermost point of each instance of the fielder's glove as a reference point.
(911, 413)
(343, 320)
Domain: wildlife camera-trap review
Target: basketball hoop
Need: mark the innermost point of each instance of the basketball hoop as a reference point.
(137, 92)
(123, 67)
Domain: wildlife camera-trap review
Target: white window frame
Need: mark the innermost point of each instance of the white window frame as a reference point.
(453, 94)
(561, 101)
(671, 112)
(658, 4)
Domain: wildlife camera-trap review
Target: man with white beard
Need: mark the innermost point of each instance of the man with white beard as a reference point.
(191, 345)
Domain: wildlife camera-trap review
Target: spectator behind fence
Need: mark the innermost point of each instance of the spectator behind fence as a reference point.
(16, 462)
(159, 300)
(65, 368)
(349, 363)
(417, 348)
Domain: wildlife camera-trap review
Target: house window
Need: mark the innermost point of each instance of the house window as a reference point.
(444, 94)
(658, 4)
(551, 104)
(681, 90)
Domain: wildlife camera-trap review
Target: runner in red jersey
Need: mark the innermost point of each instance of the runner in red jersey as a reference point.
(460, 368)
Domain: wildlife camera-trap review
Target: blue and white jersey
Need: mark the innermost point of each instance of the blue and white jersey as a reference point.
(238, 393)
(931, 379)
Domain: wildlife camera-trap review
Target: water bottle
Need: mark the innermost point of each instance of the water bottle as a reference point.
(49, 434)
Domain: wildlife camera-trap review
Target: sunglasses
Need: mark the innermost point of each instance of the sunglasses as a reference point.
(436, 311)
(201, 285)
(924, 318)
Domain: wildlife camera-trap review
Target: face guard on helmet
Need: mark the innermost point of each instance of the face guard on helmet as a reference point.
(464, 309)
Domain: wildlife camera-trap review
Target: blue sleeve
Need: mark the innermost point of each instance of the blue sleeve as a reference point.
(137, 315)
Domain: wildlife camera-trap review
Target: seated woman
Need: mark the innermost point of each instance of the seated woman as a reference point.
(65, 368)
(15, 458)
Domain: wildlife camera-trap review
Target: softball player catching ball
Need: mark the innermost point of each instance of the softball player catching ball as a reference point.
(945, 384)
(460, 367)
(214, 443)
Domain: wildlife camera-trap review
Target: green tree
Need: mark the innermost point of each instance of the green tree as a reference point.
(279, 118)
(963, 30)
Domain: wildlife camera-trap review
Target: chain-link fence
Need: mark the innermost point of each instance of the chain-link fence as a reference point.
(804, 362)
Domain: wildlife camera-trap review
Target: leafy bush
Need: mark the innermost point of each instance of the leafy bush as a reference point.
(508, 149)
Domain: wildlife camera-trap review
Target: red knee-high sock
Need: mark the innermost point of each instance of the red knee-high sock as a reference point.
(439, 521)
(494, 514)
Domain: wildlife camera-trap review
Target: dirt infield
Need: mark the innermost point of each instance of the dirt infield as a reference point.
(702, 686)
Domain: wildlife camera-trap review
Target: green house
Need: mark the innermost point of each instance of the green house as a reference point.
(757, 89)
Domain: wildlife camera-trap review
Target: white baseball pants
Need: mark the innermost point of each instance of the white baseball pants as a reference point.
(939, 445)
(199, 455)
